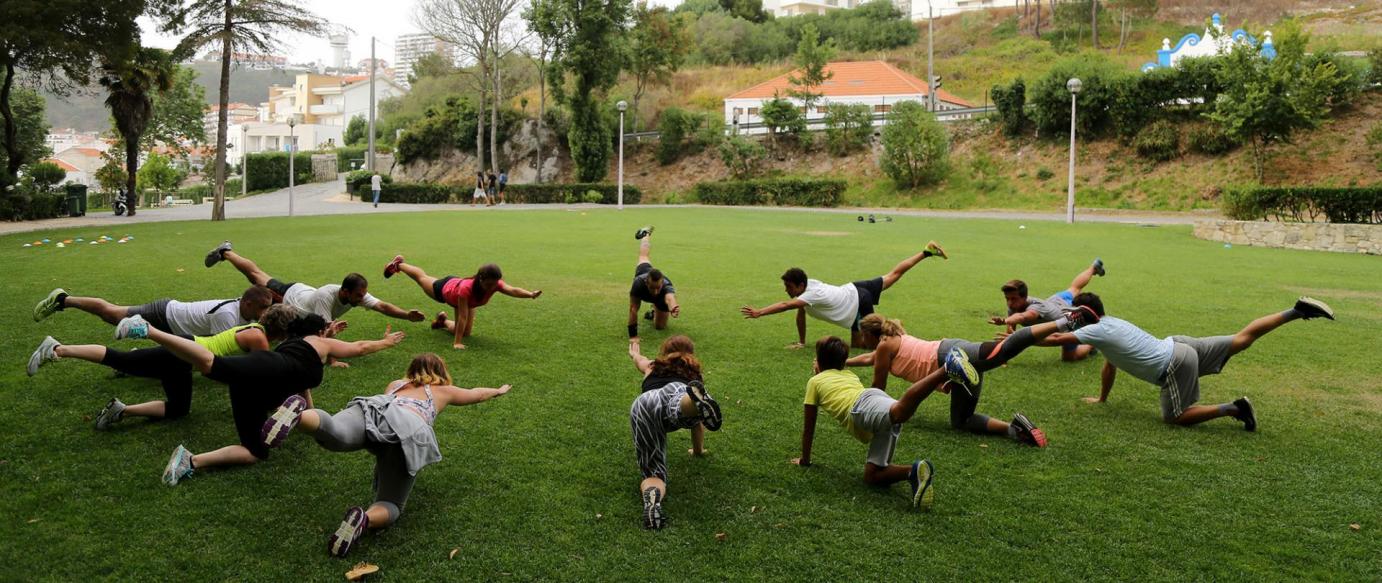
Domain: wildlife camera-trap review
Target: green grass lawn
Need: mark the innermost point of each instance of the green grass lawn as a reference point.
(541, 484)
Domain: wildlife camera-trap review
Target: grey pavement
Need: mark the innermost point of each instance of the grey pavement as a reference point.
(328, 198)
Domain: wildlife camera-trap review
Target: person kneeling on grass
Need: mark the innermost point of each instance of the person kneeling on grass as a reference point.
(258, 382)
(1026, 311)
(396, 427)
(1176, 363)
(657, 412)
(465, 295)
(650, 285)
(160, 363)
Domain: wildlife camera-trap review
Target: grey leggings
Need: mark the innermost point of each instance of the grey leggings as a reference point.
(345, 431)
(984, 356)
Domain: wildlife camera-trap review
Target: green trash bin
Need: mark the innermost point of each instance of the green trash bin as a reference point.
(76, 200)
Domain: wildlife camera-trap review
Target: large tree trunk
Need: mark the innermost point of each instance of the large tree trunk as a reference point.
(541, 107)
(1094, 23)
(13, 159)
(131, 169)
(494, 116)
(218, 208)
(1036, 31)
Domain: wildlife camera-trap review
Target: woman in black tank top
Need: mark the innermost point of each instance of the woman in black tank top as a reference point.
(675, 363)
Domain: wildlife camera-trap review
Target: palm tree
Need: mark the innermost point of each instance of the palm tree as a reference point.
(131, 85)
(246, 26)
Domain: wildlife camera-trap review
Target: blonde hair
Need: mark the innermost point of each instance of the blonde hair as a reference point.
(878, 326)
(428, 369)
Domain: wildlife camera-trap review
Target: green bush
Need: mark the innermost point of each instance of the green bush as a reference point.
(1375, 66)
(1336, 205)
(742, 157)
(916, 148)
(358, 181)
(848, 127)
(1044, 174)
(26, 203)
(603, 193)
(592, 197)
(1101, 79)
(1011, 102)
(683, 133)
(1209, 139)
(420, 193)
(269, 170)
(196, 193)
(46, 175)
(1349, 81)
(812, 192)
(1159, 141)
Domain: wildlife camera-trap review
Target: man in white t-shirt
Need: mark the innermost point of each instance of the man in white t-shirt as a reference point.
(204, 318)
(376, 184)
(1176, 363)
(842, 305)
(329, 301)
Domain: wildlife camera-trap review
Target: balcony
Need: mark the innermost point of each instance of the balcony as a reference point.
(325, 109)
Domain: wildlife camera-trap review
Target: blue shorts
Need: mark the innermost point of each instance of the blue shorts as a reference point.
(1067, 296)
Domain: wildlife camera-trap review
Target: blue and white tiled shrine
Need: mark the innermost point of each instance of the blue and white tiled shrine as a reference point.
(1212, 43)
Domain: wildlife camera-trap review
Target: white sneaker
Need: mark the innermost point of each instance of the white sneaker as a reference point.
(45, 353)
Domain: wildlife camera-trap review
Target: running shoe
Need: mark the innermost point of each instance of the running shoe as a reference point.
(871, 219)
(1246, 414)
(50, 304)
(45, 353)
(1079, 317)
(653, 518)
(1310, 308)
(218, 254)
(923, 496)
(179, 466)
(644, 232)
(392, 267)
(111, 414)
(1098, 267)
(934, 249)
(352, 527)
(277, 427)
(132, 327)
(706, 405)
(1027, 432)
(960, 371)
(648, 315)
(439, 322)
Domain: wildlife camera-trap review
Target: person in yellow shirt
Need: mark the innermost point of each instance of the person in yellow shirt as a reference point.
(873, 417)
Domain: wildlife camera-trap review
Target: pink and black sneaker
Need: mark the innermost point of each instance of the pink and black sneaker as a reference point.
(392, 267)
(1027, 432)
(352, 527)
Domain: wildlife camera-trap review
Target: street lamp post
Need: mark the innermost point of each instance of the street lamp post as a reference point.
(292, 150)
(622, 105)
(1074, 86)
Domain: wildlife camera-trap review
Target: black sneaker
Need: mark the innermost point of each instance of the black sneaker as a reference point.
(871, 219)
(1311, 308)
(1098, 267)
(653, 518)
(648, 315)
(861, 218)
(218, 254)
(1027, 432)
(1246, 414)
(709, 409)
(644, 232)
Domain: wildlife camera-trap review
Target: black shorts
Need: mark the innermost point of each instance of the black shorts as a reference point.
(154, 313)
(436, 288)
(870, 295)
(280, 288)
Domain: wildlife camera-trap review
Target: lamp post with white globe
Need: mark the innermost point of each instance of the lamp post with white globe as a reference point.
(1074, 86)
(292, 153)
(622, 105)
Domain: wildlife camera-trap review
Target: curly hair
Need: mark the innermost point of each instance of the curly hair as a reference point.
(677, 359)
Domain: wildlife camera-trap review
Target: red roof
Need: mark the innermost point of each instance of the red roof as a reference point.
(91, 152)
(64, 165)
(853, 79)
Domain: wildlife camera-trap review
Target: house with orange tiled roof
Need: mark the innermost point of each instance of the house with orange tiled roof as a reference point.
(874, 83)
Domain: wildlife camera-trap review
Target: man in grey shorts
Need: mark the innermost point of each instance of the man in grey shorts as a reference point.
(1025, 311)
(203, 318)
(873, 417)
(1176, 363)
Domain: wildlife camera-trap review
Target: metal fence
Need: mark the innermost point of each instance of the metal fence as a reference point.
(816, 124)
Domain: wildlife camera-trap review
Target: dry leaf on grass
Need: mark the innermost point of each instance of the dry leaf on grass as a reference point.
(984, 445)
(720, 536)
(598, 516)
(361, 570)
(33, 520)
(453, 552)
(753, 510)
(1355, 527)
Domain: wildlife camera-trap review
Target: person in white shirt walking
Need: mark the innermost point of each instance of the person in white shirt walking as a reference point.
(376, 184)
(842, 305)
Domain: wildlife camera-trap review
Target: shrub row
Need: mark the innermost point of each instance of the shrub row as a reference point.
(1336, 205)
(30, 207)
(269, 170)
(358, 181)
(425, 193)
(777, 191)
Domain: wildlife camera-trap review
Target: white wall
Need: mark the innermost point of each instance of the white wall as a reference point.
(745, 117)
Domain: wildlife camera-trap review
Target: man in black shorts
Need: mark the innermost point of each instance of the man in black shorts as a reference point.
(842, 305)
(650, 285)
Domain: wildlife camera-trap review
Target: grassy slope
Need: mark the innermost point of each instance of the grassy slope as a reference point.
(540, 484)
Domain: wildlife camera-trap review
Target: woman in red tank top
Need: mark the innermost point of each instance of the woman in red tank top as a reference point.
(462, 294)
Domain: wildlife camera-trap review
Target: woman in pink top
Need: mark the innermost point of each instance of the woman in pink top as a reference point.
(908, 357)
(463, 294)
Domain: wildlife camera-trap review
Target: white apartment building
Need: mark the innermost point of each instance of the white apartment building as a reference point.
(59, 140)
(235, 113)
(409, 48)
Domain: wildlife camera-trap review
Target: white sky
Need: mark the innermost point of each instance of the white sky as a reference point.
(385, 20)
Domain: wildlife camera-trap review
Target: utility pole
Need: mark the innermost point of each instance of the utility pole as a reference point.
(930, 72)
(373, 66)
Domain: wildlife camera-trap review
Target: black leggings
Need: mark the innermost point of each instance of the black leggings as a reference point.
(157, 363)
(984, 356)
(260, 381)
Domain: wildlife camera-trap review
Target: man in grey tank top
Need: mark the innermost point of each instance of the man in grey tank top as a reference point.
(1026, 311)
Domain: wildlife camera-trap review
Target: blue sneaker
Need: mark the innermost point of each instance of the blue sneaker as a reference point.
(923, 496)
(50, 304)
(179, 466)
(132, 327)
(960, 371)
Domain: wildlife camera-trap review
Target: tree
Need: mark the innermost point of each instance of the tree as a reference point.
(750, 10)
(130, 86)
(848, 127)
(357, 131)
(743, 158)
(46, 175)
(915, 146)
(781, 116)
(431, 65)
(1011, 102)
(540, 11)
(1265, 102)
(811, 60)
(245, 26)
(112, 175)
(31, 127)
(585, 33)
(159, 175)
(55, 42)
(177, 115)
(657, 45)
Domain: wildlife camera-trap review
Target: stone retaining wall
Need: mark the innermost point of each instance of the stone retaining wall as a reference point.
(1338, 237)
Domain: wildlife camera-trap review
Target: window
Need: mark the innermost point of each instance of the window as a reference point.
(823, 109)
(882, 108)
(753, 111)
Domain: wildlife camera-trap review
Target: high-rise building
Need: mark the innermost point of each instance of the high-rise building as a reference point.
(410, 47)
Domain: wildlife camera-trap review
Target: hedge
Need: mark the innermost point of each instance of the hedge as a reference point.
(358, 181)
(775, 191)
(24, 207)
(269, 170)
(426, 193)
(1336, 205)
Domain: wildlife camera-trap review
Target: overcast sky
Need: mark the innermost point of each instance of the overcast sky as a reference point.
(385, 20)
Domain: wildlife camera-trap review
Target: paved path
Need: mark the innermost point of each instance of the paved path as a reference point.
(326, 198)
